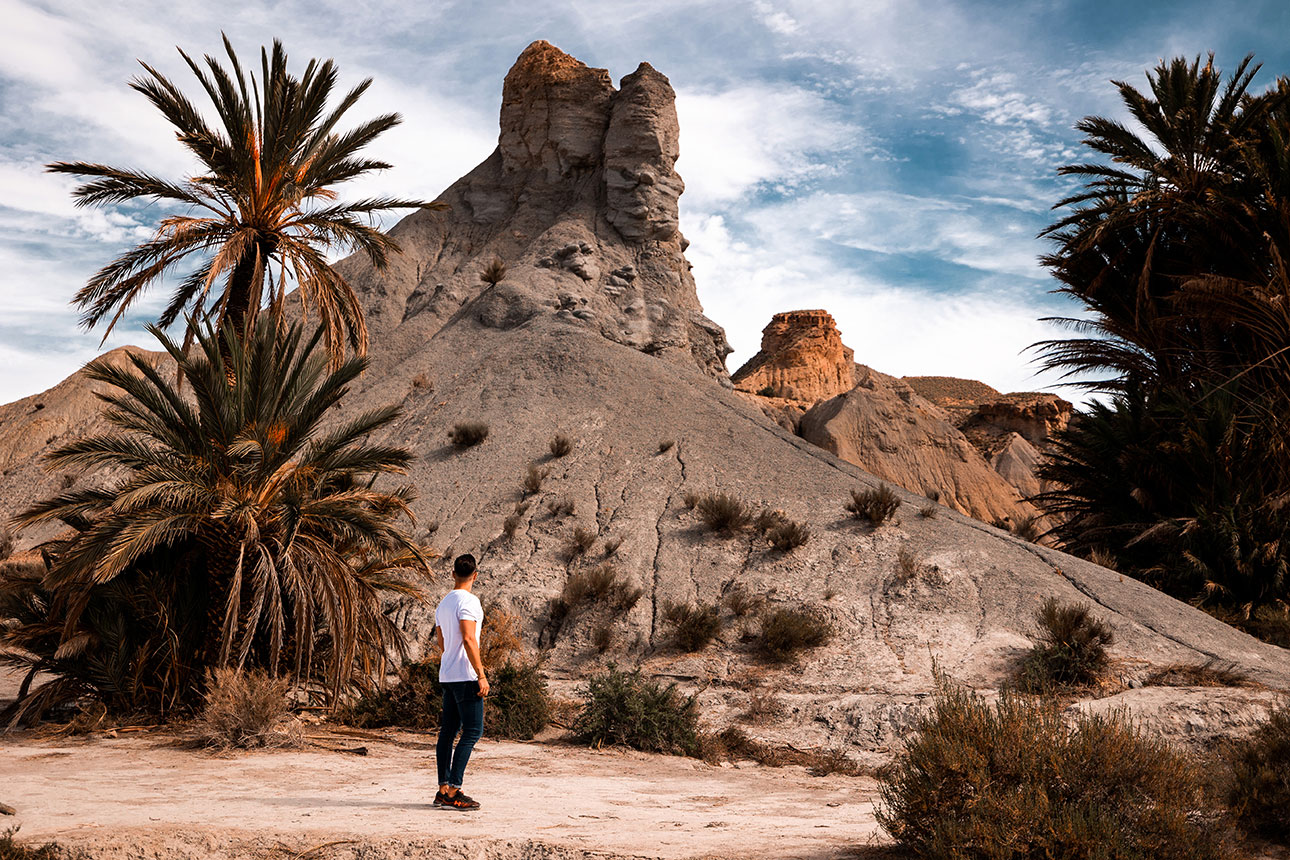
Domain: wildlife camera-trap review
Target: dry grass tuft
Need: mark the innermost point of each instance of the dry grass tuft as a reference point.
(788, 536)
(468, 434)
(1211, 673)
(247, 709)
(928, 512)
(693, 627)
(421, 382)
(533, 479)
(875, 506)
(612, 545)
(6, 544)
(908, 563)
(785, 633)
(690, 500)
(580, 541)
(1071, 649)
(13, 850)
(741, 601)
(723, 513)
(602, 638)
(1260, 789)
(493, 272)
(560, 445)
(563, 507)
(763, 707)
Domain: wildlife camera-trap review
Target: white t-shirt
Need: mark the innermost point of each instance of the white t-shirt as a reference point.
(457, 606)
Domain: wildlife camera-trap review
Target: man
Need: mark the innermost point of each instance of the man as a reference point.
(458, 620)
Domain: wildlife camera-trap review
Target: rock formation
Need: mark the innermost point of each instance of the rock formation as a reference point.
(596, 332)
(802, 358)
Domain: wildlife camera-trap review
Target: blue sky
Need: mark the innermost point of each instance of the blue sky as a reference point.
(891, 162)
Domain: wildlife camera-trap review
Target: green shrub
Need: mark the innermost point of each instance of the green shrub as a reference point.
(247, 709)
(693, 627)
(415, 702)
(626, 708)
(560, 445)
(1071, 651)
(787, 632)
(468, 434)
(518, 706)
(723, 513)
(876, 506)
(1260, 790)
(1012, 780)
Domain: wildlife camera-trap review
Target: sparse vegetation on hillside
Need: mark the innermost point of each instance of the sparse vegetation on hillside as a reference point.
(786, 633)
(12, 849)
(602, 585)
(560, 445)
(693, 627)
(533, 478)
(468, 434)
(1260, 788)
(414, 701)
(628, 709)
(874, 506)
(247, 709)
(1208, 674)
(493, 272)
(980, 781)
(580, 541)
(788, 535)
(1071, 648)
(723, 513)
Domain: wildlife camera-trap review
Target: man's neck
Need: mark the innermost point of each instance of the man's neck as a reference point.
(465, 587)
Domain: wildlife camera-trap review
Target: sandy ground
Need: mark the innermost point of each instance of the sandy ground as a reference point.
(140, 795)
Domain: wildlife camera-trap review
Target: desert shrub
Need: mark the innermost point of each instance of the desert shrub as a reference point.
(581, 540)
(723, 513)
(518, 706)
(767, 520)
(928, 512)
(602, 638)
(628, 709)
(788, 536)
(1071, 648)
(693, 627)
(414, 702)
(600, 586)
(1025, 527)
(493, 272)
(1208, 674)
(763, 707)
(1260, 789)
(421, 382)
(1103, 558)
(665, 445)
(6, 544)
(560, 507)
(560, 445)
(907, 562)
(690, 500)
(247, 709)
(1012, 780)
(732, 743)
(533, 478)
(875, 506)
(511, 524)
(933, 495)
(741, 601)
(467, 434)
(10, 849)
(785, 633)
(612, 545)
(500, 639)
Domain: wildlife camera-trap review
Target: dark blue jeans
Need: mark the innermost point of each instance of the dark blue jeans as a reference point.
(463, 710)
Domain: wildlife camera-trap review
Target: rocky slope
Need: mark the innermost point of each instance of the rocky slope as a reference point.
(596, 332)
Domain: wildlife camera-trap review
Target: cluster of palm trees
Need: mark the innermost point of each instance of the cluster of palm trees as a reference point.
(240, 527)
(1177, 244)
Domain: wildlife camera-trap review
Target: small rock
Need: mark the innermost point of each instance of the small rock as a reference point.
(1134, 684)
(6, 809)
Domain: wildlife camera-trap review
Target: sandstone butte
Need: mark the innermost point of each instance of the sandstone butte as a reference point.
(596, 332)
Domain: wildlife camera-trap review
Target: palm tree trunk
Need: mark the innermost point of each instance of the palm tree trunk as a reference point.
(245, 285)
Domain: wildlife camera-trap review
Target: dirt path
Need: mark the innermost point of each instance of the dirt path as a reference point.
(141, 796)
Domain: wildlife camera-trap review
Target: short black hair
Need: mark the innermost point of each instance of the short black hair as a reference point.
(464, 566)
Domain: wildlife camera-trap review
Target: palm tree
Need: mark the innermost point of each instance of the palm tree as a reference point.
(242, 494)
(263, 210)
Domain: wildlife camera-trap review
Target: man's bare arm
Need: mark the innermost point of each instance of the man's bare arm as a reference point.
(471, 643)
(438, 637)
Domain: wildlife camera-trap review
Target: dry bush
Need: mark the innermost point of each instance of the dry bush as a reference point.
(741, 601)
(1211, 673)
(723, 513)
(928, 512)
(693, 627)
(247, 709)
(602, 638)
(421, 382)
(763, 707)
(908, 563)
(875, 506)
(501, 638)
(13, 850)
(732, 743)
(511, 524)
(625, 708)
(518, 706)
(785, 633)
(1260, 789)
(1103, 558)
(533, 479)
(1027, 528)
(788, 535)
(493, 272)
(414, 702)
(690, 500)
(580, 541)
(1012, 779)
(1070, 651)
(612, 545)
(767, 520)
(665, 445)
(600, 586)
(934, 495)
(560, 507)
(560, 445)
(468, 434)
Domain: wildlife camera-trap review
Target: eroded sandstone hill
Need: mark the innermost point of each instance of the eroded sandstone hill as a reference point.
(596, 332)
